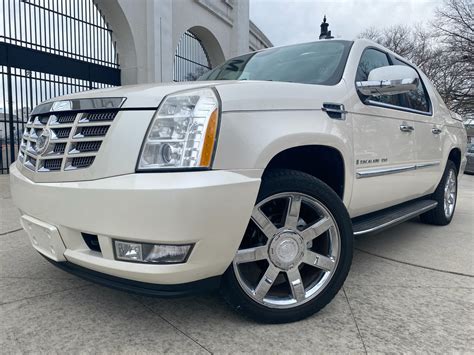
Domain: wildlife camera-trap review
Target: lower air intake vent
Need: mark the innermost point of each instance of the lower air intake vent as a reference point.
(92, 241)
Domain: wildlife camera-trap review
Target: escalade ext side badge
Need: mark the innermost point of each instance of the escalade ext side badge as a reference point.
(335, 111)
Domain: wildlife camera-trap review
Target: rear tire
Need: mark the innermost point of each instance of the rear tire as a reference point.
(446, 195)
(317, 248)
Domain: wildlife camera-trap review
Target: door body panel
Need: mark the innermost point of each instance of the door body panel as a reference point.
(384, 157)
(428, 154)
(384, 154)
(412, 162)
(428, 118)
(432, 136)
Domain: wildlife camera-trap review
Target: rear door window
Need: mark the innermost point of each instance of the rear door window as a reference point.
(416, 100)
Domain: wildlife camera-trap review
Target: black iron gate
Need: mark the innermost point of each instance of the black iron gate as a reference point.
(191, 59)
(49, 48)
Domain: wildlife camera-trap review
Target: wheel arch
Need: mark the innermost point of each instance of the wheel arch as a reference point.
(321, 161)
(455, 157)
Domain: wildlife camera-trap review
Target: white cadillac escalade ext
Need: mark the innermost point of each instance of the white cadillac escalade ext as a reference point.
(254, 179)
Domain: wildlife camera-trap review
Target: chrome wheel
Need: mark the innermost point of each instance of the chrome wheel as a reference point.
(450, 190)
(290, 251)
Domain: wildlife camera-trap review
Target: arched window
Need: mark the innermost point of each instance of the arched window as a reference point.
(191, 59)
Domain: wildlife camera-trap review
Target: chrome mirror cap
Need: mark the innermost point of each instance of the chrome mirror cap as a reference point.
(387, 87)
(389, 80)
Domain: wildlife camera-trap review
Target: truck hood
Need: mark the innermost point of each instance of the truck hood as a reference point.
(138, 96)
(235, 95)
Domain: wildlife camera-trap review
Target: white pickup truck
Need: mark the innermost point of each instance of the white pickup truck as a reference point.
(254, 179)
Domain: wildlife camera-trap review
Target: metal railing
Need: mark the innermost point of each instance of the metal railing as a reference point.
(70, 28)
(190, 59)
(48, 48)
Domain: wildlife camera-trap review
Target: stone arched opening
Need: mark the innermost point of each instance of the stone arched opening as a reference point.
(198, 51)
(123, 36)
(210, 43)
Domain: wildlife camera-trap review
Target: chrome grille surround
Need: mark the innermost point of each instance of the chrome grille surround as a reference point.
(54, 141)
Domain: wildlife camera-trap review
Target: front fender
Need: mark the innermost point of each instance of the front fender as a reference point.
(250, 139)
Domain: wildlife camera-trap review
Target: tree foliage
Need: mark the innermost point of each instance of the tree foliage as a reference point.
(443, 49)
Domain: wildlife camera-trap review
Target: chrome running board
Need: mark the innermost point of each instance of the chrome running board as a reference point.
(377, 221)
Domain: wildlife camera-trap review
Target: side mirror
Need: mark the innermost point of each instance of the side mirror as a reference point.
(389, 80)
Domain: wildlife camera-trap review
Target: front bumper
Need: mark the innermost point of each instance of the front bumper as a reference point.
(143, 288)
(209, 208)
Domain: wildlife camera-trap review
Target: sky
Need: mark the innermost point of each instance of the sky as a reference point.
(295, 21)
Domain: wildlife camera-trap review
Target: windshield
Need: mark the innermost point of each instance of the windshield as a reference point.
(309, 63)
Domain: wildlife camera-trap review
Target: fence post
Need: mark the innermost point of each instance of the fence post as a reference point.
(10, 118)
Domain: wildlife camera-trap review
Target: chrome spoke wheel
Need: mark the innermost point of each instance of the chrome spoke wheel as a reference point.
(290, 251)
(450, 190)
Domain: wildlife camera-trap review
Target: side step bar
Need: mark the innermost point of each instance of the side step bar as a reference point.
(377, 221)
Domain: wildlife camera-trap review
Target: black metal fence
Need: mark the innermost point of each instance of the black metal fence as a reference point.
(49, 48)
(190, 59)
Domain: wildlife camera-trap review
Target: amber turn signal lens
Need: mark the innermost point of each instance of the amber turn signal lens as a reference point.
(209, 140)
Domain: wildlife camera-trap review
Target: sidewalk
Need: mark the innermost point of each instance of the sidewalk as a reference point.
(411, 288)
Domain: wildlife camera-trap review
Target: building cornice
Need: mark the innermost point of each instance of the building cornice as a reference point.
(255, 31)
(213, 7)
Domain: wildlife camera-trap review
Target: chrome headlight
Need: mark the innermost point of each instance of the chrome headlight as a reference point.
(183, 132)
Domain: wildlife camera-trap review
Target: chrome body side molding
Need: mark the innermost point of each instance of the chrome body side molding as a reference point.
(383, 171)
(399, 108)
(393, 170)
(427, 165)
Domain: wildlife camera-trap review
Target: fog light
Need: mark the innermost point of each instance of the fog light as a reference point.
(151, 253)
(128, 251)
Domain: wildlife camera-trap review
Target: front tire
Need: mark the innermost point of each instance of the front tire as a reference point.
(446, 196)
(296, 252)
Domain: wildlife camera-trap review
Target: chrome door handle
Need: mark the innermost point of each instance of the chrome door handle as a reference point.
(435, 130)
(406, 128)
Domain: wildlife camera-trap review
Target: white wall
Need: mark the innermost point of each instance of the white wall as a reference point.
(148, 31)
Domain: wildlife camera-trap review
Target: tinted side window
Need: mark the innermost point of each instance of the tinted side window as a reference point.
(372, 59)
(416, 100)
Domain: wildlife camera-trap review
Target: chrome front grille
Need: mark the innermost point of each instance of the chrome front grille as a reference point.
(64, 141)
(51, 164)
(65, 118)
(82, 162)
(82, 147)
(60, 133)
(59, 148)
(98, 117)
(91, 131)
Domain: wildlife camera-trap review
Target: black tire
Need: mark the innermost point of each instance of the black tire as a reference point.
(437, 215)
(280, 181)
